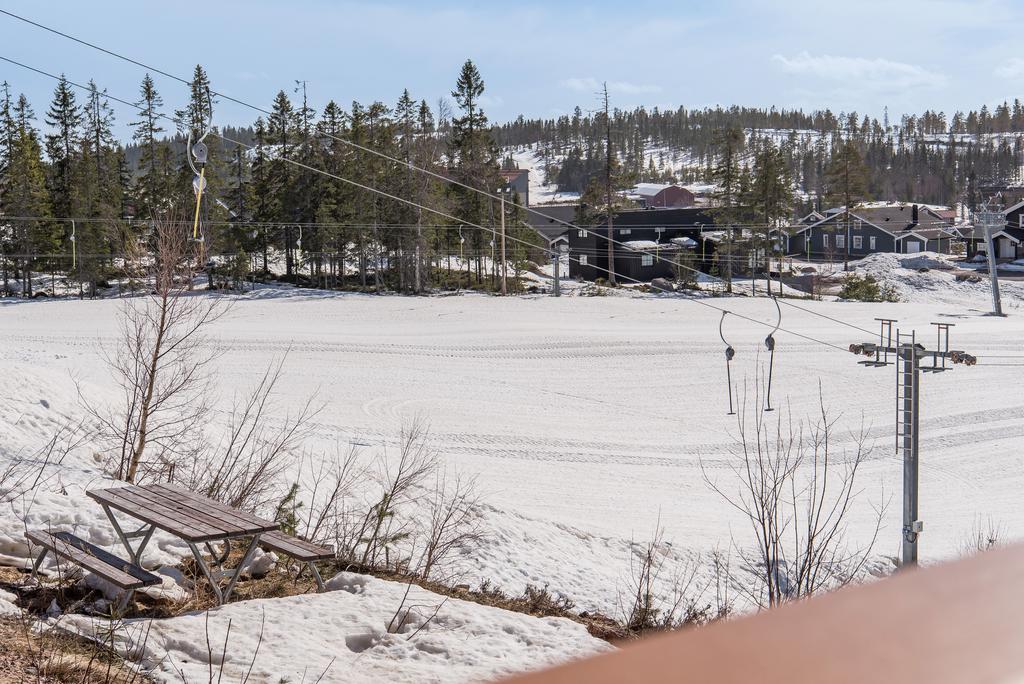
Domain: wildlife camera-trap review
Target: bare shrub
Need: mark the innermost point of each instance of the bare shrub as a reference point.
(455, 525)
(660, 591)
(797, 495)
(160, 364)
(24, 474)
(376, 535)
(245, 467)
(329, 486)
(983, 536)
(412, 618)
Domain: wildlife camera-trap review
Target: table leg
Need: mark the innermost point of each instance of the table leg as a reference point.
(201, 562)
(39, 562)
(319, 580)
(145, 532)
(238, 570)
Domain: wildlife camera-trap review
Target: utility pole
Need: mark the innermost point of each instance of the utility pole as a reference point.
(556, 289)
(909, 354)
(504, 270)
(608, 183)
(991, 219)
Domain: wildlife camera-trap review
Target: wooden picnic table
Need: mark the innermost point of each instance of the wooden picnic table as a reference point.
(194, 518)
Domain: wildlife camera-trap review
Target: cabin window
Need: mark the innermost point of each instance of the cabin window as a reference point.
(583, 259)
(871, 242)
(858, 242)
(625, 231)
(581, 233)
(840, 241)
(824, 241)
(646, 259)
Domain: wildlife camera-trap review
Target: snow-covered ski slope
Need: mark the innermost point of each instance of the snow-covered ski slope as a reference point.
(586, 418)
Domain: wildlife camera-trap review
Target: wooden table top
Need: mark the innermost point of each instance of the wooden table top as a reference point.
(191, 516)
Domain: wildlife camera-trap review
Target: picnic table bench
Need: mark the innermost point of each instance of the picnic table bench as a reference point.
(119, 572)
(194, 518)
(300, 550)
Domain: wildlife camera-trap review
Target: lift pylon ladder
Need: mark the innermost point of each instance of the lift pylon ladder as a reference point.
(908, 354)
(908, 406)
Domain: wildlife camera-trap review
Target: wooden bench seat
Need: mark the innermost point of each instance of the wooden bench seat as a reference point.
(299, 549)
(102, 563)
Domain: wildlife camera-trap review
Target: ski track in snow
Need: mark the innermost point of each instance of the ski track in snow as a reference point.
(587, 420)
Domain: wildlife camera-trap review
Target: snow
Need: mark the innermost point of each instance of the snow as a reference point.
(586, 419)
(350, 634)
(928, 277)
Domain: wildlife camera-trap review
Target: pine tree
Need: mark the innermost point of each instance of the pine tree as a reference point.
(771, 196)
(98, 191)
(197, 114)
(475, 156)
(282, 137)
(847, 183)
(193, 120)
(152, 185)
(27, 195)
(729, 179)
(8, 133)
(466, 129)
(64, 117)
(265, 205)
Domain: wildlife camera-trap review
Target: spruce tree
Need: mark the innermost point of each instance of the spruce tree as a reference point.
(64, 117)
(193, 119)
(475, 156)
(771, 197)
(152, 184)
(8, 132)
(847, 183)
(27, 196)
(728, 177)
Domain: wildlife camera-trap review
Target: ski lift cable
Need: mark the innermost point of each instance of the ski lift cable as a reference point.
(406, 201)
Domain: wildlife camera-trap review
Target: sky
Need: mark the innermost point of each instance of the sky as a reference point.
(539, 59)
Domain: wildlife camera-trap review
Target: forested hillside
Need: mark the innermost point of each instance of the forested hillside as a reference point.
(928, 158)
(362, 196)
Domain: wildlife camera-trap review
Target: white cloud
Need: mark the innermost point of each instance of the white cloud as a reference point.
(862, 73)
(1012, 69)
(592, 85)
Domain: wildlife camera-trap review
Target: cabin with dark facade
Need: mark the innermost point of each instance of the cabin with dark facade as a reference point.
(647, 243)
(898, 228)
(1008, 241)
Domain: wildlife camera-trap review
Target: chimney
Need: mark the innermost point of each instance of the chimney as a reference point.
(913, 215)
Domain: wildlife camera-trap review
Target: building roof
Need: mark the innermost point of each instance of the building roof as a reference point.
(653, 246)
(652, 189)
(688, 217)
(549, 219)
(1015, 234)
(893, 218)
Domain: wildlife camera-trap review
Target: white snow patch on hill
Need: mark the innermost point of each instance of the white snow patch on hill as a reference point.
(930, 277)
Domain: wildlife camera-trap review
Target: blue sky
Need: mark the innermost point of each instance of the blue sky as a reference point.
(542, 59)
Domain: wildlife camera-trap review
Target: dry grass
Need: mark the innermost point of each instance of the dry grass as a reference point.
(56, 656)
